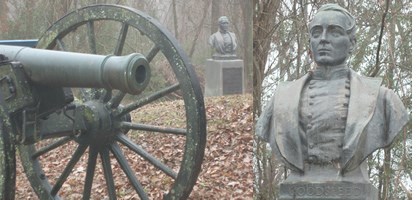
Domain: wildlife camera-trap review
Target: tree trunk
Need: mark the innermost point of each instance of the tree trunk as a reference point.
(246, 7)
(215, 14)
(386, 175)
(200, 27)
(264, 27)
(175, 19)
(4, 25)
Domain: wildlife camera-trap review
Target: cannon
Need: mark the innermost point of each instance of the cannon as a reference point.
(129, 73)
(64, 97)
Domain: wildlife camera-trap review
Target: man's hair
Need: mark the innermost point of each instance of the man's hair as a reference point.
(351, 21)
(223, 18)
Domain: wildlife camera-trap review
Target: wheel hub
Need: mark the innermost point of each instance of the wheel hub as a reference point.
(99, 122)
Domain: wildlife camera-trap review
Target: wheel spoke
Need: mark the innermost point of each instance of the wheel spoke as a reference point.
(116, 100)
(90, 172)
(155, 162)
(70, 165)
(143, 101)
(50, 147)
(60, 44)
(121, 40)
(91, 37)
(152, 53)
(145, 127)
(106, 95)
(106, 164)
(116, 150)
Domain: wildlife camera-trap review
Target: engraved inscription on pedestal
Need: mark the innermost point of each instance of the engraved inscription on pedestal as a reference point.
(232, 80)
(327, 191)
(224, 77)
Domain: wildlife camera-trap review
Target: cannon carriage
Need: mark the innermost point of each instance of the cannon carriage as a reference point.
(57, 96)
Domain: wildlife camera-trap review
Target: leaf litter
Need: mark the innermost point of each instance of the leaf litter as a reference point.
(226, 170)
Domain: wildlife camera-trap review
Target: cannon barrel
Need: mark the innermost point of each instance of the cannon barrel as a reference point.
(129, 74)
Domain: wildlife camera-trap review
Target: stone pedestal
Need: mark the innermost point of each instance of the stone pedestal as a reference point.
(224, 77)
(331, 190)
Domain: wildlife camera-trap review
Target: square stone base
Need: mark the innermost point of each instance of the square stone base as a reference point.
(333, 190)
(224, 77)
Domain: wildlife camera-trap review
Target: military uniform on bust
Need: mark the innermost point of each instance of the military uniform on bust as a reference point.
(223, 41)
(298, 124)
(325, 124)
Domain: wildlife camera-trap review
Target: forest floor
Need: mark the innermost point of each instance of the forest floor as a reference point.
(226, 170)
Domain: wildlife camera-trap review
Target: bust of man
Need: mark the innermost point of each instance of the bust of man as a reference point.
(223, 41)
(325, 124)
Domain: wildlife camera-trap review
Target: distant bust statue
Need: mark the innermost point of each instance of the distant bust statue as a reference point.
(325, 124)
(223, 41)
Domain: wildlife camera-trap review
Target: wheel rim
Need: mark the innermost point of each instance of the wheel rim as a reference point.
(7, 160)
(187, 83)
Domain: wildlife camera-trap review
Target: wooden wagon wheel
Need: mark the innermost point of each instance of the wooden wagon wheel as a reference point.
(111, 148)
(7, 160)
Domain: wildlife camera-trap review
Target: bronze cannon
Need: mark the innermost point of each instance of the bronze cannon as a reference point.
(56, 96)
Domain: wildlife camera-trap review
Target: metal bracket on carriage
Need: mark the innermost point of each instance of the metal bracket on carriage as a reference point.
(64, 122)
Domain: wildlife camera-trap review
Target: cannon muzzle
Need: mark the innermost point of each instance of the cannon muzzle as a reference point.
(129, 74)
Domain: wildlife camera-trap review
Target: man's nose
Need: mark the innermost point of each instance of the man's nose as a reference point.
(324, 37)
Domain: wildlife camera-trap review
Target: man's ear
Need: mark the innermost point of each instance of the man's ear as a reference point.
(310, 53)
(353, 44)
(310, 49)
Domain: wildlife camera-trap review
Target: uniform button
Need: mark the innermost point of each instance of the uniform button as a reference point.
(343, 117)
(347, 95)
(311, 159)
(340, 145)
(311, 103)
(309, 126)
(311, 146)
(347, 86)
(346, 104)
(311, 96)
(309, 116)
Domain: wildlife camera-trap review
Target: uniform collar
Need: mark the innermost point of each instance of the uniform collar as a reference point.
(330, 73)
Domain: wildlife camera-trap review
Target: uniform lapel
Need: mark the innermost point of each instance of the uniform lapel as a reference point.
(286, 111)
(363, 96)
(220, 44)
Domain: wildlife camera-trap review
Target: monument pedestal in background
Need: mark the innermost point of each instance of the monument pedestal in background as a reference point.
(224, 77)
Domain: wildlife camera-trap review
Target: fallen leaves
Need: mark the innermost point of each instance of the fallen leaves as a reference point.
(226, 171)
(227, 168)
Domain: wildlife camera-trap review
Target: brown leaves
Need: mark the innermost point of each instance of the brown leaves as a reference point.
(227, 168)
(226, 171)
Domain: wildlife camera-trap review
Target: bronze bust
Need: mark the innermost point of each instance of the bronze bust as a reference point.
(325, 124)
(223, 41)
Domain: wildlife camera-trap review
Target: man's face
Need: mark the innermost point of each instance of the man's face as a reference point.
(224, 25)
(330, 44)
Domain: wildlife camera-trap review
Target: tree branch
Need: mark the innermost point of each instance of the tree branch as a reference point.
(375, 70)
(200, 27)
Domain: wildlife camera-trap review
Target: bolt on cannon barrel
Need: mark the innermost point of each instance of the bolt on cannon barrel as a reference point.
(129, 74)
